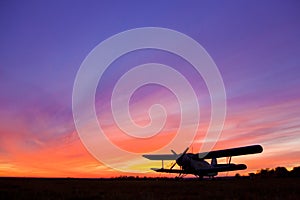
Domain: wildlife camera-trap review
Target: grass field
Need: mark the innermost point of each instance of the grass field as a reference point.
(37, 188)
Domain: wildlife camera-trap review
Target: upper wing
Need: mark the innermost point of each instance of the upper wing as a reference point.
(161, 156)
(213, 154)
(231, 152)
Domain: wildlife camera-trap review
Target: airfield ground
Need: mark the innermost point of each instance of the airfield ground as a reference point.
(36, 188)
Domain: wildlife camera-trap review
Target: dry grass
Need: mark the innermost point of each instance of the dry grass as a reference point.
(28, 188)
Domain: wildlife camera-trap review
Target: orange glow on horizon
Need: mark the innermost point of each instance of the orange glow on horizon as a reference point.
(67, 157)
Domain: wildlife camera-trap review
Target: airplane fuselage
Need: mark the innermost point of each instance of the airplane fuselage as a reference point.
(195, 166)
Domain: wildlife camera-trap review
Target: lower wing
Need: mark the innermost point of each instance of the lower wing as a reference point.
(222, 168)
(218, 168)
(175, 171)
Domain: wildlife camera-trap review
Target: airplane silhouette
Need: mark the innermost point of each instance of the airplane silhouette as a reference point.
(195, 163)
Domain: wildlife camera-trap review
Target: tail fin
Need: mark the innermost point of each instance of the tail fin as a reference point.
(214, 162)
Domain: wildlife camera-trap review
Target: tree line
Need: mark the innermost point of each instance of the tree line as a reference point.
(277, 172)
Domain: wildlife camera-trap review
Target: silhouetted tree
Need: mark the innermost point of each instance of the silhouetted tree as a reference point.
(296, 172)
(278, 172)
(252, 175)
(264, 172)
(237, 175)
(281, 172)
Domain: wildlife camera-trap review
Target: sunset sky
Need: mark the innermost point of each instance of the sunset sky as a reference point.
(255, 45)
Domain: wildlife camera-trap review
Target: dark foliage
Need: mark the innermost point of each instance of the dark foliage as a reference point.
(277, 172)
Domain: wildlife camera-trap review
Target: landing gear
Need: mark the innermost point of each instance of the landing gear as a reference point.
(180, 176)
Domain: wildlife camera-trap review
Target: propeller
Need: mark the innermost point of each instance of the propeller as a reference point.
(179, 156)
(173, 165)
(173, 152)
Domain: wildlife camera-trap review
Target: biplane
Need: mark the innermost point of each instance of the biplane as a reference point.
(197, 165)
